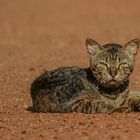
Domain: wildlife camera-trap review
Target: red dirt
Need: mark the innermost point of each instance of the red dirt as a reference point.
(46, 34)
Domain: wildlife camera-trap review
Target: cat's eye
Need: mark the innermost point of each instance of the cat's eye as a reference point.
(103, 63)
(121, 65)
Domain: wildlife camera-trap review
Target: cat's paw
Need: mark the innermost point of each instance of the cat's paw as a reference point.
(81, 104)
(137, 106)
(121, 109)
(102, 106)
(134, 104)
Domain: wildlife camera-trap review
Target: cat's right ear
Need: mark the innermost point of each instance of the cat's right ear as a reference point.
(131, 48)
(93, 47)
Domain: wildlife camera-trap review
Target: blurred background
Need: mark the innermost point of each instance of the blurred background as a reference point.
(53, 33)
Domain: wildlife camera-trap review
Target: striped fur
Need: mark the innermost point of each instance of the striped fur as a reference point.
(101, 88)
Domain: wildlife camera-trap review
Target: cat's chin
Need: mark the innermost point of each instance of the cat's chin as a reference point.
(111, 84)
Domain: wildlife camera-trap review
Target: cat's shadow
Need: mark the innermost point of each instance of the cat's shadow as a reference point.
(30, 109)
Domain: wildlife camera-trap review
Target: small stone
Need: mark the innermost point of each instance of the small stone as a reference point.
(23, 132)
(41, 135)
(81, 123)
(31, 69)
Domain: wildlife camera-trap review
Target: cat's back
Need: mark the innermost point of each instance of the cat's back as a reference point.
(68, 80)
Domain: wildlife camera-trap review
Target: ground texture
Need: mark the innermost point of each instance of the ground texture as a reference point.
(45, 34)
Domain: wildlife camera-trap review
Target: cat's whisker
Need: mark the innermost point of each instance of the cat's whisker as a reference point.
(98, 83)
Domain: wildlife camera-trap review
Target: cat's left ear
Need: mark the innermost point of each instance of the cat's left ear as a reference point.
(131, 48)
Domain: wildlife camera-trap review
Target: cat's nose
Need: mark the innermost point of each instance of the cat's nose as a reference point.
(113, 71)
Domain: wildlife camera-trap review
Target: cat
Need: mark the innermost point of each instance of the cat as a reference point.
(103, 87)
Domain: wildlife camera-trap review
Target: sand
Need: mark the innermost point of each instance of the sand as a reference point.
(47, 34)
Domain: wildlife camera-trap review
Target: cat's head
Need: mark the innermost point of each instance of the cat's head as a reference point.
(112, 64)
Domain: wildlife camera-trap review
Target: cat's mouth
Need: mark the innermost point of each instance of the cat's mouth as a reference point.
(111, 84)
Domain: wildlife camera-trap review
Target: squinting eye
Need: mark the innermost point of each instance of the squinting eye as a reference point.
(121, 65)
(103, 63)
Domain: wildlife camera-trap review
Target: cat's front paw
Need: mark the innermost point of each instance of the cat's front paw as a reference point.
(134, 104)
(82, 104)
(121, 109)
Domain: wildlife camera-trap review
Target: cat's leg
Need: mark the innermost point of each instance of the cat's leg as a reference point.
(123, 108)
(81, 103)
(44, 99)
(133, 101)
(45, 103)
(88, 103)
(121, 104)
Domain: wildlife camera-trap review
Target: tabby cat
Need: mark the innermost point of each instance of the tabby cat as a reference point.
(101, 88)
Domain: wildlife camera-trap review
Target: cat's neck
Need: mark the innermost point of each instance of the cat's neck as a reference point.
(111, 93)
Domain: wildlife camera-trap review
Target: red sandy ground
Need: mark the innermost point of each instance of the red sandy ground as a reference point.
(46, 34)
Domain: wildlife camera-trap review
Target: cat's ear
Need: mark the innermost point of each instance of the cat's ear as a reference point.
(131, 48)
(93, 47)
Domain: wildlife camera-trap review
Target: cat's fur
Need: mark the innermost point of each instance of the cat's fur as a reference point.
(101, 88)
